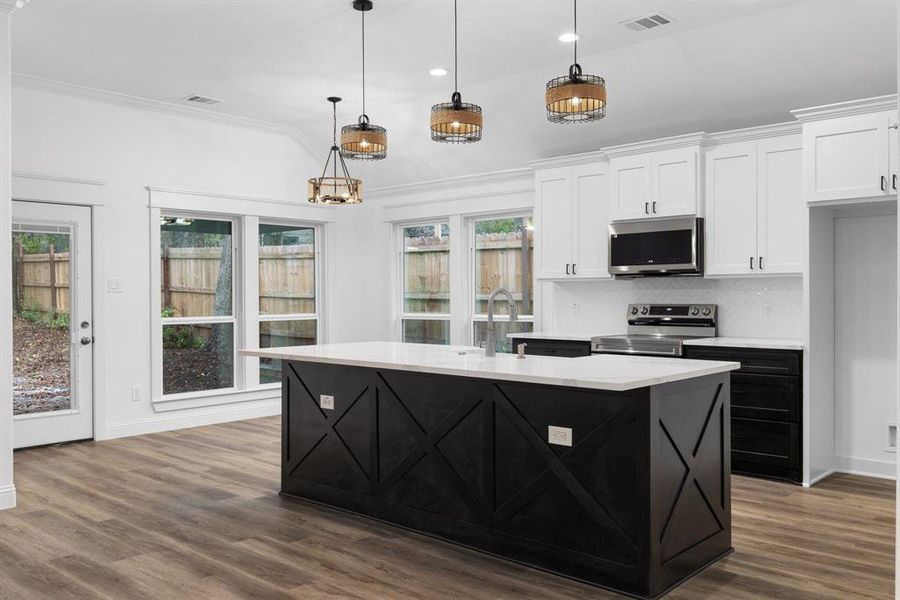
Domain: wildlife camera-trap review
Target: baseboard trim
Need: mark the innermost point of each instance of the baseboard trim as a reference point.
(7, 497)
(819, 478)
(881, 469)
(196, 418)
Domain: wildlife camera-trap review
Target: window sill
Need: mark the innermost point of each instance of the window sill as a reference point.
(215, 398)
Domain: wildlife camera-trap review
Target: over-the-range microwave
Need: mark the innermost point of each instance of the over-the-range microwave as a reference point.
(656, 248)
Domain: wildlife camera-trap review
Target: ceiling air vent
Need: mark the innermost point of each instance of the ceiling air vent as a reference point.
(195, 99)
(645, 23)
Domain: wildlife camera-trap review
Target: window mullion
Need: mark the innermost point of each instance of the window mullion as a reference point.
(249, 328)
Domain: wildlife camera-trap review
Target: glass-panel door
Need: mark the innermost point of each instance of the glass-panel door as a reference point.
(52, 324)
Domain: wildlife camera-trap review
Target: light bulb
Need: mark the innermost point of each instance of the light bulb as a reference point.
(576, 101)
(364, 144)
(455, 124)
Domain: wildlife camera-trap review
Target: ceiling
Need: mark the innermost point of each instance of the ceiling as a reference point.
(720, 65)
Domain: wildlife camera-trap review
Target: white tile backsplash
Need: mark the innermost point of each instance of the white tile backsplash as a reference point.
(759, 307)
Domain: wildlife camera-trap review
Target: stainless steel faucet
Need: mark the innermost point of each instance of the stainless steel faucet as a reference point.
(490, 347)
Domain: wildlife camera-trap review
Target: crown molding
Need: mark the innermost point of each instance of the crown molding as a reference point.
(207, 194)
(668, 143)
(9, 6)
(749, 134)
(508, 176)
(33, 82)
(58, 178)
(846, 109)
(569, 160)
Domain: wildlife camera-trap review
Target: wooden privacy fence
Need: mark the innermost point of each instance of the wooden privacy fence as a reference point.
(502, 260)
(189, 279)
(41, 281)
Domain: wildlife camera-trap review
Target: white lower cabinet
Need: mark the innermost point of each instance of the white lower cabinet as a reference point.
(572, 222)
(754, 207)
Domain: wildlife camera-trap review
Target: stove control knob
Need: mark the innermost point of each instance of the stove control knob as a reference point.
(695, 311)
(644, 310)
(634, 310)
(706, 311)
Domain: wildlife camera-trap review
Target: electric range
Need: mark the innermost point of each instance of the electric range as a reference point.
(659, 329)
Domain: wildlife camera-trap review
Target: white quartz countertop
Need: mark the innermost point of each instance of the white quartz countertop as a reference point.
(600, 371)
(545, 335)
(738, 342)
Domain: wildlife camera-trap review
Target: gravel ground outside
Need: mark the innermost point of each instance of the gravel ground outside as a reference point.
(40, 368)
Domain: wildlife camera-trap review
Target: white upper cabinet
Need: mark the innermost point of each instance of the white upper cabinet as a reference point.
(754, 207)
(572, 222)
(652, 184)
(630, 187)
(894, 156)
(673, 183)
(731, 181)
(590, 259)
(553, 212)
(848, 157)
(781, 221)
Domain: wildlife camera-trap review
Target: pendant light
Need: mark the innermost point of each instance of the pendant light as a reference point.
(334, 189)
(363, 141)
(576, 97)
(456, 122)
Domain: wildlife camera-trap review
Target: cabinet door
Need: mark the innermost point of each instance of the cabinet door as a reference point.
(591, 226)
(846, 158)
(553, 223)
(630, 187)
(781, 210)
(731, 210)
(894, 157)
(673, 184)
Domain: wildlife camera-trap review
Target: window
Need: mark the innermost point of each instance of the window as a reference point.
(425, 275)
(197, 278)
(288, 314)
(503, 257)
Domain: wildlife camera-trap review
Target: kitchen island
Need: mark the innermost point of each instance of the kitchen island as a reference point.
(610, 469)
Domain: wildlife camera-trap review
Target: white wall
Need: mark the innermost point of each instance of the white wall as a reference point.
(865, 322)
(66, 136)
(766, 307)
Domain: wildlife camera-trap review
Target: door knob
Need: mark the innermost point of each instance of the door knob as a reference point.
(86, 340)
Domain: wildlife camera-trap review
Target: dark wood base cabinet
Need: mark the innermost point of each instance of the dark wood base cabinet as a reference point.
(766, 410)
(639, 502)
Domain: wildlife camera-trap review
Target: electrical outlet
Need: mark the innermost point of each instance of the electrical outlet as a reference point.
(136, 393)
(115, 285)
(559, 436)
(767, 310)
(326, 402)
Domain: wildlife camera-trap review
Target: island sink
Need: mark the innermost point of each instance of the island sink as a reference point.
(612, 470)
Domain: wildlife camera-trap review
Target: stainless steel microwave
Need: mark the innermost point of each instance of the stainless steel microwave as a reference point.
(656, 248)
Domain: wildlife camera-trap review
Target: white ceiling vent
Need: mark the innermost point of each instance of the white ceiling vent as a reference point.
(196, 99)
(645, 23)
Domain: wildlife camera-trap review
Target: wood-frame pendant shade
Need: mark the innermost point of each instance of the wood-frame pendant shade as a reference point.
(456, 122)
(364, 141)
(335, 190)
(575, 98)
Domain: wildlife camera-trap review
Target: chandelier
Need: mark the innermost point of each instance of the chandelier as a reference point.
(334, 189)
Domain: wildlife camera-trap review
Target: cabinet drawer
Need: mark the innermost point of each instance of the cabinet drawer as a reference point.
(768, 397)
(753, 360)
(565, 348)
(765, 442)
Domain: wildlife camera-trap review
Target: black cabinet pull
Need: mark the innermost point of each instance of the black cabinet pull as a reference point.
(760, 263)
(573, 268)
(894, 181)
(567, 268)
(882, 183)
(751, 263)
(646, 208)
(654, 207)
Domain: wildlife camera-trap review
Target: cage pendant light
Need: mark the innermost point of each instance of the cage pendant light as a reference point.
(363, 140)
(334, 188)
(456, 122)
(576, 97)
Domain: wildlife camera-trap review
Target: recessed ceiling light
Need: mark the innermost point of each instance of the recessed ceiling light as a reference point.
(568, 37)
(437, 72)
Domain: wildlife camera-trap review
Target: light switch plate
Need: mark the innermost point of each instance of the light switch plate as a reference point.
(559, 436)
(326, 401)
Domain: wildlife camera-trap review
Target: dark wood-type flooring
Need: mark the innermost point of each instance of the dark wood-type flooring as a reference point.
(196, 514)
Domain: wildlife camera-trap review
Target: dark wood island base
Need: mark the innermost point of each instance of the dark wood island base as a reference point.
(638, 503)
